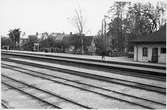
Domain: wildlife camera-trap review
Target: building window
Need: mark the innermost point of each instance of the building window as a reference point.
(145, 52)
(163, 50)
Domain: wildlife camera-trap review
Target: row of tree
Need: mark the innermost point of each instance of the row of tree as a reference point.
(129, 20)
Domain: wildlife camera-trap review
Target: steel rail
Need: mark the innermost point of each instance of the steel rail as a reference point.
(115, 66)
(48, 92)
(5, 106)
(31, 95)
(113, 62)
(97, 77)
(104, 95)
(40, 73)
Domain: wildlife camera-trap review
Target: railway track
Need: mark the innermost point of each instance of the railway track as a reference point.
(152, 77)
(29, 94)
(4, 105)
(78, 58)
(146, 103)
(124, 82)
(30, 90)
(147, 69)
(21, 82)
(90, 83)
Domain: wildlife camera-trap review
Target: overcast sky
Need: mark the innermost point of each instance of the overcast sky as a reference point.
(33, 16)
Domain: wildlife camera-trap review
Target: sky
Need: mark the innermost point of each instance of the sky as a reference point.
(33, 16)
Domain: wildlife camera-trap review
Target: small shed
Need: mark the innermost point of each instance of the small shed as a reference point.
(151, 47)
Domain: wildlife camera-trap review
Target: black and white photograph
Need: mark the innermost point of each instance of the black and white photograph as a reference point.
(83, 54)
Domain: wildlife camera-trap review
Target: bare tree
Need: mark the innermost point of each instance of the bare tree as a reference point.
(79, 23)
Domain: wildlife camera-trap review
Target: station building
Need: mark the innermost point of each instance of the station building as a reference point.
(151, 47)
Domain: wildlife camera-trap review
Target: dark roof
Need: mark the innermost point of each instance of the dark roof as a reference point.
(76, 38)
(155, 37)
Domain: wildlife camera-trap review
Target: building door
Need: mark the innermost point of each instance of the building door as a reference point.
(155, 55)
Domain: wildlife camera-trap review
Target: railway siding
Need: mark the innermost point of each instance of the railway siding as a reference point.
(16, 99)
(105, 93)
(86, 81)
(98, 73)
(42, 95)
(79, 96)
(66, 86)
(111, 94)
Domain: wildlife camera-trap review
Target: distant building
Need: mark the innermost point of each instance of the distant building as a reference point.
(57, 36)
(23, 41)
(89, 43)
(72, 44)
(151, 47)
(5, 43)
(92, 47)
(51, 42)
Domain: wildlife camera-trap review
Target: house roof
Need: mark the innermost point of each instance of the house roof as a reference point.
(76, 38)
(155, 37)
(57, 36)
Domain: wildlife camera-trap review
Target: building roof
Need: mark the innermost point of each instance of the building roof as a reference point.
(57, 36)
(155, 37)
(77, 38)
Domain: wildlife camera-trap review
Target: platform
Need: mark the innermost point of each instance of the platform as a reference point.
(94, 57)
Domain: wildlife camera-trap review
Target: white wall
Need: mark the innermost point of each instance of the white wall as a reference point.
(135, 53)
(138, 52)
(161, 57)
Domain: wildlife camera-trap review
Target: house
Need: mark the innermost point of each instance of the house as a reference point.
(92, 47)
(89, 45)
(5, 42)
(151, 47)
(23, 41)
(73, 44)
